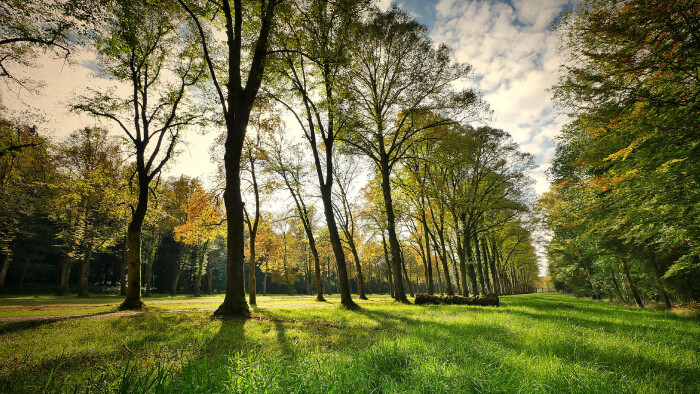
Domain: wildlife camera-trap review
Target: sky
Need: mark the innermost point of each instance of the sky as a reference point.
(513, 51)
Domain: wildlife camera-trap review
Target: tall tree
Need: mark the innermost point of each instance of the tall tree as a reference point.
(317, 38)
(144, 44)
(287, 161)
(398, 78)
(236, 97)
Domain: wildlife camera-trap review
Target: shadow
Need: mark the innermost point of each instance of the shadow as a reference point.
(38, 321)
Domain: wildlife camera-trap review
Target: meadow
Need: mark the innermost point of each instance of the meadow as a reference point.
(531, 343)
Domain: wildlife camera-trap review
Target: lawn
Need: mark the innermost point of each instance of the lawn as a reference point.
(539, 342)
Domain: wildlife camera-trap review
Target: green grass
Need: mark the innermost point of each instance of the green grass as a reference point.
(532, 343)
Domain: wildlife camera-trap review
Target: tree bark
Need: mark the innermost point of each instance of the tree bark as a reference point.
(122, 266)
(252, 262)
(199, 273)
(633, 288)
(471, 271)
(66, 264)
(210, 277)
(486, 265)
(133, 290)
(181, 255)
(85, 271)
(149, 264)
(388, 266)
(617, 288)
(439, 277)
(358, 268)
(428, 264)
(479, 268)
(407, 278)
(5, 267)
(394, 247)
(494, 273)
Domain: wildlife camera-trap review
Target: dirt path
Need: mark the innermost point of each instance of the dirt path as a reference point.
(111, 315)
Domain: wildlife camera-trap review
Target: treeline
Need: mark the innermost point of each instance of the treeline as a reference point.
(439, 205)
(624, 204)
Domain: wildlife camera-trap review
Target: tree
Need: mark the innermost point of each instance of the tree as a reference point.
(286, 160)
(29, 27)
(143, 45)
(200, 230)
(89, 198)
(236, 99)
(631, 87)
(346, 174)
(397, 78)
(318, 37)
(25, 166)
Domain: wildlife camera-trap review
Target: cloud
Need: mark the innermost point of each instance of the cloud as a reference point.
(384, 4)
(514, 54)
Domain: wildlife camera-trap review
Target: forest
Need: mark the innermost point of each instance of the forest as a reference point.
(380, 184)
(359, 179)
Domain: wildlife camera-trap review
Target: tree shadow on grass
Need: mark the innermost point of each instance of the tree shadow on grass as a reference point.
(31, 322)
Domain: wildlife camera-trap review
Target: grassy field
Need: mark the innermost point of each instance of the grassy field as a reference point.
(532, 343)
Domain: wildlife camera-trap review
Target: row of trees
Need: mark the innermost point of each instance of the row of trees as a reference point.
(79, 191)
(623, 208)
(364, 86)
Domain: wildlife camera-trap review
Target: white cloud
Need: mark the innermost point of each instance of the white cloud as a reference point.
(383, 4)
(514, 55)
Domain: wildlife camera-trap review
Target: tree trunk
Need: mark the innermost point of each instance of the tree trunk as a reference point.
(486, 265)
(388, 266)
(471, 271)
(265, 283)
(633, 288)
(181, 255)
(437, 270)
(405, 274)
(149, 263)
(317, 271)
(210, 277)
(358, 268)
(479, 268)
(428, 264)
(66, 264)
(494, 273)
(85, 271)
(341, 268)
(454, 267)
(617, 288)
(394, 247)
(5, 267)
(252, 261)
(199, 273)
(234, 301)
(307, 272)
(461, 250)
(133, 290)
(123, 265)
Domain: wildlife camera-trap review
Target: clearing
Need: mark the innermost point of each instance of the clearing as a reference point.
(538, 342)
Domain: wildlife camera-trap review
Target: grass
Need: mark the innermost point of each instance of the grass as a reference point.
(532, 343)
